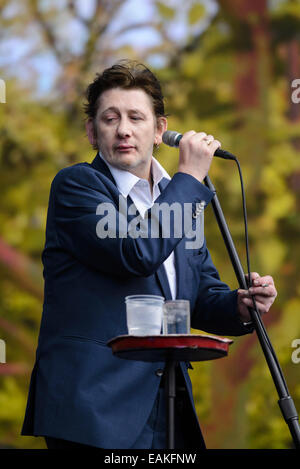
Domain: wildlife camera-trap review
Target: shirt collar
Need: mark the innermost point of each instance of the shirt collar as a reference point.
(125, 180)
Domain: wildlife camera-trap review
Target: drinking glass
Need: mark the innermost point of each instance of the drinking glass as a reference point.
(176, 317)
(144, 314)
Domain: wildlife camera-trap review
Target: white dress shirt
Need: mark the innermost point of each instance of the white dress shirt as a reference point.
(140, 193)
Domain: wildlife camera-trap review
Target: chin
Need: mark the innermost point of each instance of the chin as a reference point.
(126, 161)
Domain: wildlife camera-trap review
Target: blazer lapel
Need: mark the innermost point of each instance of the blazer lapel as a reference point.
(101, 166)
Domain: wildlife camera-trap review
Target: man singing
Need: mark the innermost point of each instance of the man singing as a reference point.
(81, 395)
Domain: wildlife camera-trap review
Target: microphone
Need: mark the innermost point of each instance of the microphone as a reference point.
(172, 139)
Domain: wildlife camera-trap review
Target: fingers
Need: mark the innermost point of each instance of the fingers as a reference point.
(247, 295)
(199, 144)
(254, 277)
(262, 290)
(196, 153)
(262, 304)
(192, 134)
(257, 280)
(269, 290)
(214, 144)
(199, 137)
(187, 135)
(247, 300)
(263, 286)
(208, 139)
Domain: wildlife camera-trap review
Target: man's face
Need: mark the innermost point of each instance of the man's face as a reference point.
(125, 130)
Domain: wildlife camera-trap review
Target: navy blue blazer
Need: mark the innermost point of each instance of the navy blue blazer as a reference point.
(79, 391)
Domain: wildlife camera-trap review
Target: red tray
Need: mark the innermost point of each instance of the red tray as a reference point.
(185, 347)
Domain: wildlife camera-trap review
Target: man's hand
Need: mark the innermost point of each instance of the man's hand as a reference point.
(264, 292)
(196, 151)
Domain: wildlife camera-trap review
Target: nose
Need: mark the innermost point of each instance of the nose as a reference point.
(124, 129)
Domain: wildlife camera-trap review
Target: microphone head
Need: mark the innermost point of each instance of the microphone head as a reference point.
(171, 138)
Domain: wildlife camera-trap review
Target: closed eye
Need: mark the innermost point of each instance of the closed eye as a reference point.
(110, 119)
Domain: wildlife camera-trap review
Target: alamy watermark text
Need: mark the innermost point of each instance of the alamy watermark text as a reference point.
(296, 93)
(161, 221)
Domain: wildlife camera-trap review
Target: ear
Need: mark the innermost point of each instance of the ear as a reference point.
(90, 130)
(162, 125)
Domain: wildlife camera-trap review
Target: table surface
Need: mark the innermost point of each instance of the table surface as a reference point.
(175, 347)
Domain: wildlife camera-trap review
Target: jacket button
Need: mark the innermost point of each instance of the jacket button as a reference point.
(159, 372)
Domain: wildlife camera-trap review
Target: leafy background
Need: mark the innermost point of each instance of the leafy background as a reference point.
(226, 67)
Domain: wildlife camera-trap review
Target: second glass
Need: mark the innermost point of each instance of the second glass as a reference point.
(176, 317)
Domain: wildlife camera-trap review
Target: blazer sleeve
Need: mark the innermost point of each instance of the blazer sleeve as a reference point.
(215, 309)
(78, 192)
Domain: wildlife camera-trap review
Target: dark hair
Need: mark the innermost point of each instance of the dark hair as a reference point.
(125, 74)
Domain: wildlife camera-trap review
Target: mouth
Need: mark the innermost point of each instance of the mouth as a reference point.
(124, 147)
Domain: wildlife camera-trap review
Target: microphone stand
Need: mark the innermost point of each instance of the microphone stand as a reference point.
(285, 401)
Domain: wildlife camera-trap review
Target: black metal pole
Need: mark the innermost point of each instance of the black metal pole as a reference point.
(170, 389)
(285, 402)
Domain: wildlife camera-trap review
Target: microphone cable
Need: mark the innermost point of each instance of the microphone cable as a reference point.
(249, 280)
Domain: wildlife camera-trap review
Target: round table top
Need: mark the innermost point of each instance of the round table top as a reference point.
(176, 347)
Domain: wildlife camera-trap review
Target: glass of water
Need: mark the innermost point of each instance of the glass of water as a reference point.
(144, 314)
(176, 317)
